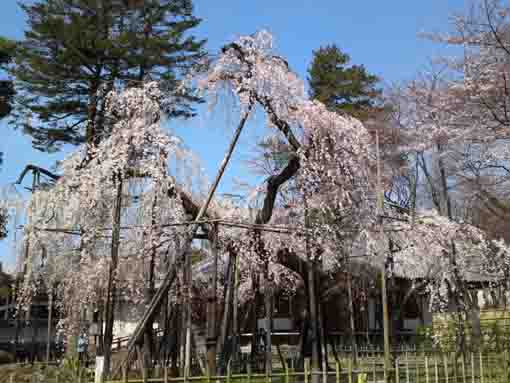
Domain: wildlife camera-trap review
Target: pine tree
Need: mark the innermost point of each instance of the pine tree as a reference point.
(74, 51)
(6, 87)
(340, 86)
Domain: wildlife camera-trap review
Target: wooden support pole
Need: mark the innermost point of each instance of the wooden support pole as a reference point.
(436, 370)
(427, 377)
(187, 313)
(354, 343)
(111, 287)
(268, 301)
(473, 371)
(170, 275)
(212, 305)
(235, 315)
(384, 293)
(50, 326)
(312, 303)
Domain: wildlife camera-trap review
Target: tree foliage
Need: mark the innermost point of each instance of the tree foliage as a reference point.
(6, 86)
(74, 52)
(341, 86)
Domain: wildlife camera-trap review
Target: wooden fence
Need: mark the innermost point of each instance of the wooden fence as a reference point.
(407, 368)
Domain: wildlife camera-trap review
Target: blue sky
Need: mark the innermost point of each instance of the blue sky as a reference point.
(382, 35)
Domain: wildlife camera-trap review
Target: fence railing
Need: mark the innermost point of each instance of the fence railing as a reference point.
(406, 368)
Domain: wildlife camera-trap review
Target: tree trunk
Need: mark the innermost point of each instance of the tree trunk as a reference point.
(312, 297)
(254, 335)
(111, 289)
(235, 315)
(268, 303)
(148, 337)
(212, 305)
(354, 345)
(313, 321)
(50, 323)
(187, 310)
(227, 311)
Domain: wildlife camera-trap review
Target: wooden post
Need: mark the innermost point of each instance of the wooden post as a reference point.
(417, 365)
(212, 305)
(445, 361)
(111, 286)
(397, 370)
(384, 292)
(50, 319)
(337, 372)
(354, 345)
(407, 367)
(436, 370)
(463, 367)
(427, 378)
(374, 372)
(307, 367)
(312, 300)
(187, 311)
(481, 368)
(235, 317)
(165, 374)
(349, 368)
(455, 375)
(473, 371)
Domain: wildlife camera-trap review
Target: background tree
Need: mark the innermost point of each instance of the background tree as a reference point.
(340, 86)
(6, 87)
(6, 94)
(75, 51)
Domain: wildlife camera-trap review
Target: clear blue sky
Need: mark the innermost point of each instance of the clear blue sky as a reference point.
(382, 35)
